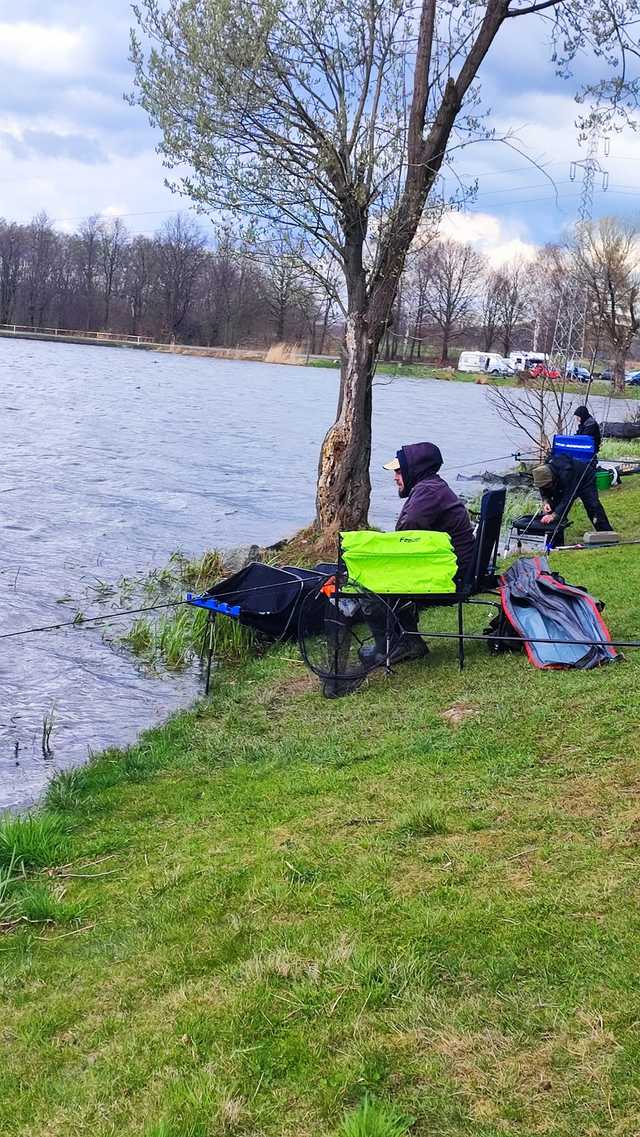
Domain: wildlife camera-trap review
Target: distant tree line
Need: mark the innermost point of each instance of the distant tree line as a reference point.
(234, 291)
(173, 285)
(450, 296)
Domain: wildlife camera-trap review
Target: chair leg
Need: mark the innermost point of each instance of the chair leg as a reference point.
(209, 652)
(460, 636)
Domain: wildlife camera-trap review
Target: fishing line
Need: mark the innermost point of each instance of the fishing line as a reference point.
(78, 623)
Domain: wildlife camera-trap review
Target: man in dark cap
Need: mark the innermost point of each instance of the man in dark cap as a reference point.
(588, 425)
(429, 504)
(562, 479)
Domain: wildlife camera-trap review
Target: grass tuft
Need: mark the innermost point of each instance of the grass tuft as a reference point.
(35, 841)
(64, 792)
(620, 448)
(38, 904)
(178, 639)
(425, 822)
(374, 1118)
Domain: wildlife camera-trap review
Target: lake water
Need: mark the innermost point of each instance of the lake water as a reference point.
(111, 459)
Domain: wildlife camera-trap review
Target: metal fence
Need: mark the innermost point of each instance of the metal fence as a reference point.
(107, 337)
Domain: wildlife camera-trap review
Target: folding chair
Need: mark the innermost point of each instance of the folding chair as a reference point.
(393, 568)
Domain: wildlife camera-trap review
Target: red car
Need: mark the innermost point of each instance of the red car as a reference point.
(541, 371)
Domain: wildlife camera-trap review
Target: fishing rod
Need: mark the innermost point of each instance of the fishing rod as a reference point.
(522, 639)
(487, 638)
(519, 457)
(80, 621)
(596, 545)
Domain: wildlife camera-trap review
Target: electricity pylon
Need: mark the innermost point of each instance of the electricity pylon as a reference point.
(569, 333)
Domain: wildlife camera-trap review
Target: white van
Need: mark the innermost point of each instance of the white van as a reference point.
(473, 360)
(490, 361)
(498, 365)
(523, 360)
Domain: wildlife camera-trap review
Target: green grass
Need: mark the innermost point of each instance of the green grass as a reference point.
(374, 1119)
(424, 822)
(32, 841)
(620, 448)
(175, 638)
(423, 897)
(423, 371)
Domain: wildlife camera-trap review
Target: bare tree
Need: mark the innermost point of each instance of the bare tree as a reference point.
(140, 279)
(181, 256)
(415, 281)
(547, 275)
(538, 409)
(335, 117)
(12, 243)
(453, 273)
(113, 240)
(513, 298)
(87, 244)
(280, 261)
(489, 305)
(608, 259)
(41, 254)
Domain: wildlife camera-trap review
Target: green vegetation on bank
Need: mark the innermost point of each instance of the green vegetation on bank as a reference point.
(413, 910)
(620, 448)
(422, 371)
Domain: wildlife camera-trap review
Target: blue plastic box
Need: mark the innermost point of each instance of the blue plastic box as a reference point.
(580, 446)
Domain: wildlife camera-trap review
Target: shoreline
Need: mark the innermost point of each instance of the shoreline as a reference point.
(394, 369)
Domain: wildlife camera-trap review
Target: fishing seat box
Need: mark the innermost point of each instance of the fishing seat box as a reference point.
(526, 528)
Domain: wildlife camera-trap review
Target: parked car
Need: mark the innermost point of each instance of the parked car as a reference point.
(578, 374)
(632, 378)
(607, 375)
(542, 371)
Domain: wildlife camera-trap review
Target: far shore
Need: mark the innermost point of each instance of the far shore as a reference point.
(290, 357)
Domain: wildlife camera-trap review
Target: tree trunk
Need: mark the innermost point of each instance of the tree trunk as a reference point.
(620, 360)
(445, 343)
(325, 323)
(344, 486)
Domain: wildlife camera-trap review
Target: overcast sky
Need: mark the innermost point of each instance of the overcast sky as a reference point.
(70, 145)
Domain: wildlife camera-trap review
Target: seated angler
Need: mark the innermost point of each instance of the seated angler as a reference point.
(430, 504)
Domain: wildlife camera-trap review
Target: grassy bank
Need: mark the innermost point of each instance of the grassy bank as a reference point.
(420, 371)
(277, 907)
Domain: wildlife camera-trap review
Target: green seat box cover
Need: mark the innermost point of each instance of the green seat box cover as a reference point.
(415, 561)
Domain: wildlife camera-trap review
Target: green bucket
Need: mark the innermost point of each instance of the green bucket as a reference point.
(604, 479)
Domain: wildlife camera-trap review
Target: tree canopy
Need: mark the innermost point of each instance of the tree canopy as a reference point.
(333, 118)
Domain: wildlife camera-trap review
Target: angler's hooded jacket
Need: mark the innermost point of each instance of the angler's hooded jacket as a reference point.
(430, 502)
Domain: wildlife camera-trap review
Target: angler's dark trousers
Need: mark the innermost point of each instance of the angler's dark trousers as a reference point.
(595, 511)
(399, 614)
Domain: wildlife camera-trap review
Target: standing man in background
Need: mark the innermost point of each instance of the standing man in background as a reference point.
(588, 425)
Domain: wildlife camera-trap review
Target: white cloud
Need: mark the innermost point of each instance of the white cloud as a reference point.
(47, 50)
(489, 235)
